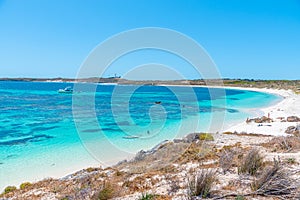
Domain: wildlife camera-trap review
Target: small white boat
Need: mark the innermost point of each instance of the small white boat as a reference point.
(130, 137)
(66, 90)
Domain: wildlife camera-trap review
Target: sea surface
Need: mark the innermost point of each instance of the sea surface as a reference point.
(44, 133)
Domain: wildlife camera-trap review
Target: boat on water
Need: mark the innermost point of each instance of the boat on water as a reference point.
(66, 90)
(130, 137)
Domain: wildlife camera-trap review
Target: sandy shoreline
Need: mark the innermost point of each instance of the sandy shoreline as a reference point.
(288, 106)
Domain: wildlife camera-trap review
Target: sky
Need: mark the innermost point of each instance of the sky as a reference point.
(257, 39)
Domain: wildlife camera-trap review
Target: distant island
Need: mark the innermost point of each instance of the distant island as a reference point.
(257, 83)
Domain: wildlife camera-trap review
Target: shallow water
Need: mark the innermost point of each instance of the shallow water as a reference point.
(44, 133)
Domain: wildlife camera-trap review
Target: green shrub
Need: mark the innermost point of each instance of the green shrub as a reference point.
(291, 161)
(206, 137)
(240, 197)
(9, 189)
(25, 185)
(147, 197)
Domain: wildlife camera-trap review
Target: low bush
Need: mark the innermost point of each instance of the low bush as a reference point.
(240, 197)
(251, 163)
(206, 137)
(147, 197)
(201, 184)
(226, 160)
(9, 189)
(274, 181)
(283, 144)
(25, 185)
(266, 176)
(291, 161)
(106, 192)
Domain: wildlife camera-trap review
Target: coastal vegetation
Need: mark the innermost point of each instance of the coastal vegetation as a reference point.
(228, 167)
(106, 192)
(252, 162)
(147, 196)
(9, 189)
(201, 184)
(206, 136)
(25, 185)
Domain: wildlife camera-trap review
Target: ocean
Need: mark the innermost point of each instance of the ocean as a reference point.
(44, 133)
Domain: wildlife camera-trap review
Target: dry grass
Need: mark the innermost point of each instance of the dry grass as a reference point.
(245, 134)
(225, 160)
(252, 162)
(174, 185)
(161, 160)
(198, 152)
(283, 144)
(274, 181)
(201, 183)
(266, 176)
(107, 191)
(164, 165)
(236, 151)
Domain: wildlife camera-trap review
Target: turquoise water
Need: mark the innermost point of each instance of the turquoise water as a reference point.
(45, 134)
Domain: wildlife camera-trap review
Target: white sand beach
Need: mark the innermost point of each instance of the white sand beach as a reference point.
(289, 106)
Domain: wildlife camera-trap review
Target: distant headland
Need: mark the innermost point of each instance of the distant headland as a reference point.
(257, 83)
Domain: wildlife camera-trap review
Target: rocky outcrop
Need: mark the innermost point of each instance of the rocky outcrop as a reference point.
(295, 130)
(293, 119)
(141, 155)
(262, 119)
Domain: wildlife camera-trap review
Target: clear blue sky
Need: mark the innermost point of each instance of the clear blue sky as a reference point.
(246, 38)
